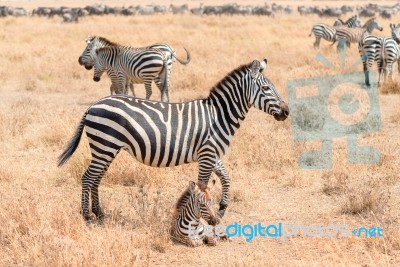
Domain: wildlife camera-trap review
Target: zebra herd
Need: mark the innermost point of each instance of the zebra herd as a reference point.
(384, 50)
(163, 134)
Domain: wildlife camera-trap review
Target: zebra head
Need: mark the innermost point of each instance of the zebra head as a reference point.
(354, 22)
(395, 32)
(202, 202)
(264, 96)
(88, 55)
(372, 24)
(104, 58)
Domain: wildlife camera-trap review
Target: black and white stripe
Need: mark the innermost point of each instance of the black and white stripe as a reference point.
(137, 66)
(169, 134)
(328, 33)
(193, 207)
(384, 50)
(355, 35)
(88, 55)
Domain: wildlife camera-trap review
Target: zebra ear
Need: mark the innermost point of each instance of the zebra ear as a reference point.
(255, 68)
(391, 26)
(263, 64)
(192, 186)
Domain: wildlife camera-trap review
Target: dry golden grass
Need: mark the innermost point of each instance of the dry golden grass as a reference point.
(44, 93)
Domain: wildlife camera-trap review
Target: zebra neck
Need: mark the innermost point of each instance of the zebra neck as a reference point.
(230, 109)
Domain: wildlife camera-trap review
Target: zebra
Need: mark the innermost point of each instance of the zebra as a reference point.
(170, 134)
(328, 33)
(194, 204)
(390, 53)
(138, 66)
(355, 35)
(94, 42)
(370, 49)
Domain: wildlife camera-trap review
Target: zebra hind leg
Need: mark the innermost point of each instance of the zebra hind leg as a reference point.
(147, 86)
(90, 183)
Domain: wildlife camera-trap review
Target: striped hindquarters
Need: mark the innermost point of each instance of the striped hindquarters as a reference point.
(324, 31)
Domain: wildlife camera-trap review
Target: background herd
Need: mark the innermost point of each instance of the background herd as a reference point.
(73, 14)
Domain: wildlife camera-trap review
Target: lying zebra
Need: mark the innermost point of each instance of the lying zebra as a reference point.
(88, 56)
(193, 205)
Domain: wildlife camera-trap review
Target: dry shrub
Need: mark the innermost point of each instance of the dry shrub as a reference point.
(390, 87)
(334, 183)
(238, 196)
(364, 200)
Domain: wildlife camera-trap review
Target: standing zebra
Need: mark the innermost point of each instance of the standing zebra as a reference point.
(390, 53)
(355, 35)
(194, 204)
(328, 33)
(370, 49)
(169, 134)
(88, 55)
(137, 66)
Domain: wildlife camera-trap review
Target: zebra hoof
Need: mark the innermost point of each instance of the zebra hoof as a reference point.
(221, 212)
(96, 79)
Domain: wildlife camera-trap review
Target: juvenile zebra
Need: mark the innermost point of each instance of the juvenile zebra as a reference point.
(347, 35)
(95, 42)
(137, 66)
(328, 33)
(370, 49)
(194, 204)
(170, 134)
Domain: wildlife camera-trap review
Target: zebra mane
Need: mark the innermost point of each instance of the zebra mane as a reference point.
(347, 21)
(341, 21)
(222, 81)
(185, 196)
(108, 42)
(107, 48)
(368, 22)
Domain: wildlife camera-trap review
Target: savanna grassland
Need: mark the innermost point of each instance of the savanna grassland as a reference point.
(44, 92)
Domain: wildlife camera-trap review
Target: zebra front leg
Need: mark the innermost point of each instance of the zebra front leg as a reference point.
(366, 73)
(221, 172)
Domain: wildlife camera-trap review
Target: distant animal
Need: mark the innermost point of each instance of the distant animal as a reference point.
(134, 66)
(384, 50)
(94, 42)
(170, 134)
(354, 35)
(328, 33)
(194, 205)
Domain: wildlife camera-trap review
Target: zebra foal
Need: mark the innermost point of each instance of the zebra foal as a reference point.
(170, 134)
(141, 66)
(194, 204)
(355, 35)
(321, 30)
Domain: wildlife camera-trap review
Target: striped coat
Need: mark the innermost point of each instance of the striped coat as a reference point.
(169, 134)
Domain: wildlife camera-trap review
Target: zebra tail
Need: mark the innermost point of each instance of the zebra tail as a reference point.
(310, 33)
(73, 143)
(188, 57)
(164, 75)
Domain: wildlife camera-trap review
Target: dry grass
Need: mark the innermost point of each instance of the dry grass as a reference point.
(44, 93)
